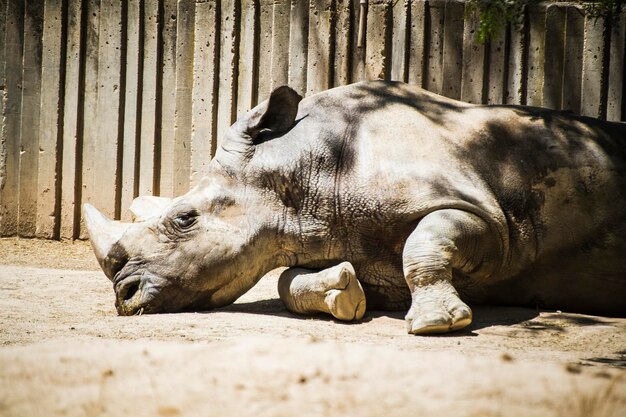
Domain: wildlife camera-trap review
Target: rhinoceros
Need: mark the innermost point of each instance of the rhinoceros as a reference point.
(386, 195)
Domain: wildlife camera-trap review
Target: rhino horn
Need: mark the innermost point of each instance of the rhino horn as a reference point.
(103, 234)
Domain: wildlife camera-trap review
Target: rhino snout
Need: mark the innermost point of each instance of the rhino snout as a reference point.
(144, 292)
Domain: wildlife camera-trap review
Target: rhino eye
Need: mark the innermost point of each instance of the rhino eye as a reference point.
(186, 220)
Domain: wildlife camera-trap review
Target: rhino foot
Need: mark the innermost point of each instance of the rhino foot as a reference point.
(436, 309)
(345, 299)
(334, 291)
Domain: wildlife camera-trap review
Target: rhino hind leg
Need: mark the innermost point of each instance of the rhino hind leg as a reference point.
(444, 241)
(335, 291)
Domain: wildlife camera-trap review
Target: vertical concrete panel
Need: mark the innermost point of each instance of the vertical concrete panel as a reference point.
(3, 27)
(171, 76)
(204, 93)
(416, 42)
(515, 83)
(248, 60)
(51, 116)
(168, 105)
(72, 124)
(536, 53)
(228, 57)
(298, 44)
(29, 138)
(279, 69)
(150, 136)
(319, 65)
(553, 65)
(343, 43)
(399, 67)
(435, 12)
(473, 64)
(453, 49)
(593, 66)
(9, 184)
(615, 99)
(266, 12)
(132, 103)
(3, 98)
(184, 86)
(90, 134)
(496, 50)
(378, 47)
(108, 108)
(573, 60)
(358, 54)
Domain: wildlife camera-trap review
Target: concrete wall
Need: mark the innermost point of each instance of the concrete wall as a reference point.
(103, 100)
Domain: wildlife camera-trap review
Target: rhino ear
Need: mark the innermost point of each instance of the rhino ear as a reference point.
(146, 206)
(274, 117)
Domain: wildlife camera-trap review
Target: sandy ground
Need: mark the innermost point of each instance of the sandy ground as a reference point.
(65, 352)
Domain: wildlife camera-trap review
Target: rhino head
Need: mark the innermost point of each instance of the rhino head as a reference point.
(206, 248)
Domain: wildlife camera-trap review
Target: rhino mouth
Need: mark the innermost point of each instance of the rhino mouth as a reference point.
(138, 292)
(143, 292)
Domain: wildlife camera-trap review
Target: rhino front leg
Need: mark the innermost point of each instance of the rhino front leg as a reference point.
(334, 291)
(444, 241)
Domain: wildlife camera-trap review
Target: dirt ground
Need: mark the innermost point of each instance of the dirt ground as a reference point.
(65, 352)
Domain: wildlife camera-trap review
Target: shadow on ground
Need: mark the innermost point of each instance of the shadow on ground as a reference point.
(484, 316)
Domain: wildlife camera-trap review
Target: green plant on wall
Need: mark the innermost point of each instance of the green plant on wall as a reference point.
(609, 9)
(493, 15)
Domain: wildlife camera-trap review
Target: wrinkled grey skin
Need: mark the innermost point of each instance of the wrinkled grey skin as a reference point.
(434, 202)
